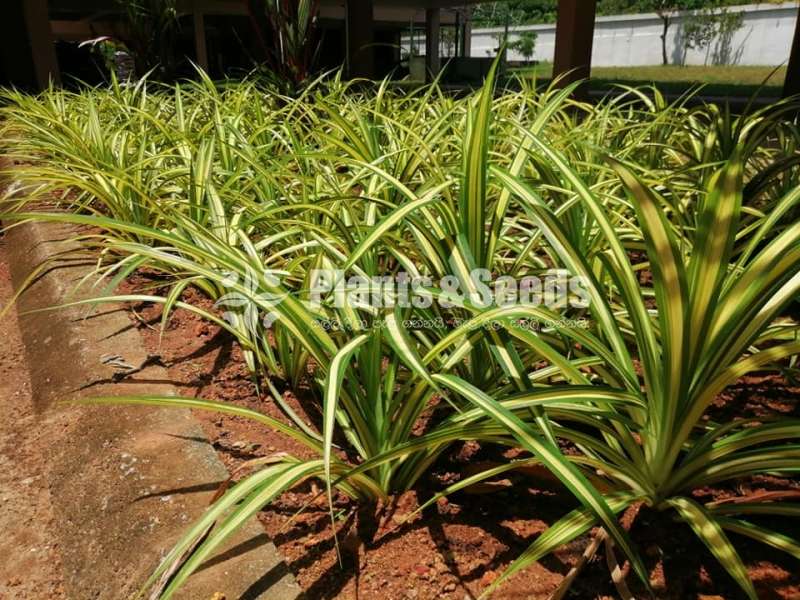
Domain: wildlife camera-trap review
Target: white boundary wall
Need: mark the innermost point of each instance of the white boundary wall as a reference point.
(765, 38)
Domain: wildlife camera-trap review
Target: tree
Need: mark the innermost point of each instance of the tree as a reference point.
(514, 12)
(666, 10)
(708, 24)
(447, 40)
(525, 44)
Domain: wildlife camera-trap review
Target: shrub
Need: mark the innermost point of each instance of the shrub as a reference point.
(243, 194)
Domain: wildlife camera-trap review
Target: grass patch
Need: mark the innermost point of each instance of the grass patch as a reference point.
(727, 80)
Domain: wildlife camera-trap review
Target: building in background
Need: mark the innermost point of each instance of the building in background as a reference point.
(41, 39)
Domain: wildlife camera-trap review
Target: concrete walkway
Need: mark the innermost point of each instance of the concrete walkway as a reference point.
(31, 565)
(96, 496)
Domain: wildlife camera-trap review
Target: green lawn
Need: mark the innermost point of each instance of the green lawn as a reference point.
(718, 80)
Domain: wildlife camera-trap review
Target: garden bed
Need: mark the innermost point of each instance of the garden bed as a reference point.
(589, 313)
(457, 548)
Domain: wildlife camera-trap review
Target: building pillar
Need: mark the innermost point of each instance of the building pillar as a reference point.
(457, 35)
(201, 50)
(574, 33)
(432, 30)
(27, 50)
(360, 36)
(791, 86)
(40, 34)
(466, 35)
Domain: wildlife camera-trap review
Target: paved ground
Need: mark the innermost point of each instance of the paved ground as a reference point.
(91, 498)
(30, 565)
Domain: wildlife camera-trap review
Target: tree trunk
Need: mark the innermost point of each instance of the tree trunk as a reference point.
(666, 21)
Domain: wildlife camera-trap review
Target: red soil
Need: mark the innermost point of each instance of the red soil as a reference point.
(453, 551)
(30, 565)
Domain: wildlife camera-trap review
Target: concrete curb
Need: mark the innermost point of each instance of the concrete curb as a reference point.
(126, 482)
